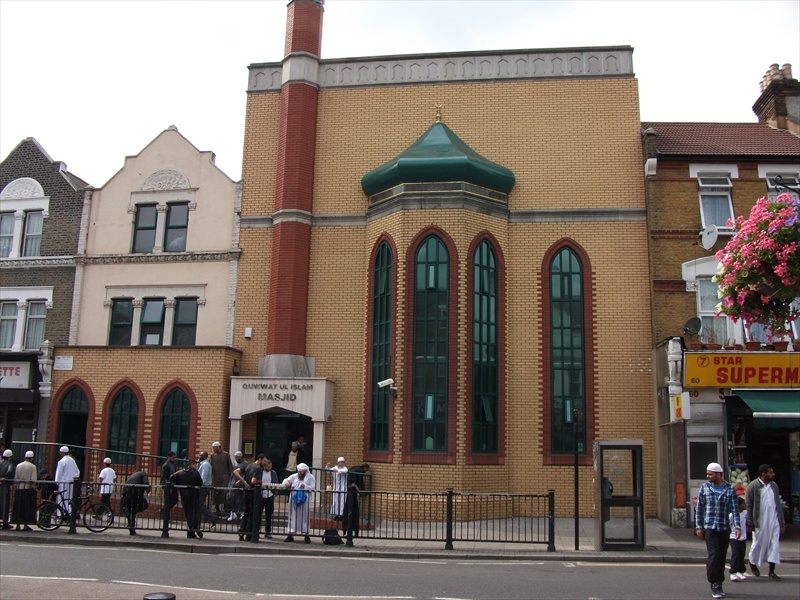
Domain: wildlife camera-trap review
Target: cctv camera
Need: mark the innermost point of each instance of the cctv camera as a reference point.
(385, 382)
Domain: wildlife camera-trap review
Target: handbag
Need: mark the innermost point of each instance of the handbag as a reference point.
(300, 497)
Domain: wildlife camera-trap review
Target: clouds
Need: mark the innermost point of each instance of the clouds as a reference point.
(96, 81)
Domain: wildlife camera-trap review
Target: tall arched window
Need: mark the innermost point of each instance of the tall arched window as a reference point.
(176, 413)
(381, 348)
(430, 362)
(484, 350)
(123, 423)
(567, 354)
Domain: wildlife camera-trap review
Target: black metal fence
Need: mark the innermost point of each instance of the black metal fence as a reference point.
(445, 517)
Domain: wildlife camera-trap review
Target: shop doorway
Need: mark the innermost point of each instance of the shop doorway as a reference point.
(73, 420)
(277, 429)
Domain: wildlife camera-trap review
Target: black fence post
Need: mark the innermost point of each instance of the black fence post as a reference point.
(166, 508)
(74, 504)
(351, 513)
(448, 543)
(255, 515)
(551, 520)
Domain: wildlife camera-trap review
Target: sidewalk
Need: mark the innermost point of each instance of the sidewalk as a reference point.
(662, 544)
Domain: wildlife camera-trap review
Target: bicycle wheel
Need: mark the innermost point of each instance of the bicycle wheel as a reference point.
(49, 516)
(98, 517)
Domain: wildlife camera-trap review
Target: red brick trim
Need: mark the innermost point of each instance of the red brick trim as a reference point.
(372, 455)
(448, 457)
(499, 457)
(101, 433)
(56, 404)
(304, 27)
(548, 458)
(669, 285)
(194, 418)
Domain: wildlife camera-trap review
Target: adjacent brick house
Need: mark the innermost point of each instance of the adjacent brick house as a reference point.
(698, 176)
(150, 349)
(40, 215)
(492, 269)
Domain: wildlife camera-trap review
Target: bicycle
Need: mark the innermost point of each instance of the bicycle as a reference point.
(97, 517)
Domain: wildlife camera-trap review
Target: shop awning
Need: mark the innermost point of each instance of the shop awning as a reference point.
(773, 408)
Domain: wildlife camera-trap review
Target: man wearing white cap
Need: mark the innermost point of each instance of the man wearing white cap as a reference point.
(106, 477)
(6, 475)
(66, 472)
(339, 476)
(221, 471)
(25, 494)
(715, 502)
(299, 517)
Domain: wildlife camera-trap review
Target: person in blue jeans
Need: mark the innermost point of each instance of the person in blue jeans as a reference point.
(716, 504)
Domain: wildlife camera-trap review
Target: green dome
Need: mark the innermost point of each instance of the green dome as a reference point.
(438, 155)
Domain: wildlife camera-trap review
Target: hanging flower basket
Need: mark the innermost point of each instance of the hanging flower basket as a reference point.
(759, 274)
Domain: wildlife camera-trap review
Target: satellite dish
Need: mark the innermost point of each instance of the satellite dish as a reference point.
(692, 326)
(708, 237)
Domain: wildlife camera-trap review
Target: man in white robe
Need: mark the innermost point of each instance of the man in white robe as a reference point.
(299, 518)
(339, 476)
(765, 519)
(66, 472)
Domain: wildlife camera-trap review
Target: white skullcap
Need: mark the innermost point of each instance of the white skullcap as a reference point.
(215, 444)
(340, 459)
(714, 467)
(238, 453)
(29, 454)
(8, 454)
(107, 460)
(302, 467)
(64, 449)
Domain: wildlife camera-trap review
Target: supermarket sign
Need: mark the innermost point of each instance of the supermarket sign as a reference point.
(742, 370)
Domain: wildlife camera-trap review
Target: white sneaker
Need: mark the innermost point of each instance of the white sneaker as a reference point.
(742, 576)
(231, 516)
(734, 577)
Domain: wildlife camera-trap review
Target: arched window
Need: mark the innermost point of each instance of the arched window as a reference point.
(430, 349)
(567, 354)
(484, 350)
(381, 348)
(123, 423)
(176, 413)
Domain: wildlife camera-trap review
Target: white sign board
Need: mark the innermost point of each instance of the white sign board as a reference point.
(62, 363)
(15, 375)
(680, 408)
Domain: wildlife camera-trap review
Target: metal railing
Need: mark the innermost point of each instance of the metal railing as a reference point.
(445, 517)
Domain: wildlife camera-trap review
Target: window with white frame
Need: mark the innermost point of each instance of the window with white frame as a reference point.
(34, 328)
(6, 233)
(716, 207)
(716, 330)
(121, 322)
(777, 181)
(32, 237)
(8, 324)
(184, 327)
(23, 314)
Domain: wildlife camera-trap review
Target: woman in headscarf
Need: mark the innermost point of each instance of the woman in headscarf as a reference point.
(301, 484)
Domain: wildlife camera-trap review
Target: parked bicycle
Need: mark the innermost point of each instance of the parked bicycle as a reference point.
(97, 517)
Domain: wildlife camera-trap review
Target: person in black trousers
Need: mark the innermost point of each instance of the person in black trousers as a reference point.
(189, 482)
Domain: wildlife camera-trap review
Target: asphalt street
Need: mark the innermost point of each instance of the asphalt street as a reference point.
(34, 571)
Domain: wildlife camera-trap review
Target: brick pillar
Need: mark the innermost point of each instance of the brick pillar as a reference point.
(291, 238)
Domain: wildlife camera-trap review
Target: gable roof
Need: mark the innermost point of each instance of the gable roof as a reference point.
(723, 139)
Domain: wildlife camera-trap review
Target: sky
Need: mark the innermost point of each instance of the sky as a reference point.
(96, 81)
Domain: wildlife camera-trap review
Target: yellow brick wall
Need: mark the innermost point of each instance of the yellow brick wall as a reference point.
(206, 371)
(571, 144)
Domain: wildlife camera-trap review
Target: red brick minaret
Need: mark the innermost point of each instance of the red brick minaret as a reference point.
(291, 241)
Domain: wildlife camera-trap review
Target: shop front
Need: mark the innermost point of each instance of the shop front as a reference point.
(752, 400)
(25, 394)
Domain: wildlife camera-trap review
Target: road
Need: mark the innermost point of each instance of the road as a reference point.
(31, 571)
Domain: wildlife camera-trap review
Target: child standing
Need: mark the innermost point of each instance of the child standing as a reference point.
(738, 546)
